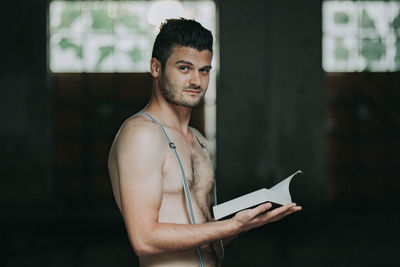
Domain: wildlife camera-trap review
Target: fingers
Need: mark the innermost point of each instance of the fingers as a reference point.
(259, 209)
(258, 216)
(289, 208)
(262, 208)
(284, 208)
(292, 207)
(283, 211)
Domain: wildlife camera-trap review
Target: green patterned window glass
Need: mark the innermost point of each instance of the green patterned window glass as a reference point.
(118, 36)
(114, 36)
(361, 36)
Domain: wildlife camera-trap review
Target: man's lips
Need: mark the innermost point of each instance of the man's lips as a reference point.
(193, 91)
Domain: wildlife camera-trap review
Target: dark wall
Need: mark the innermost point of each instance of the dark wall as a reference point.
(25, 105)
(271, 97)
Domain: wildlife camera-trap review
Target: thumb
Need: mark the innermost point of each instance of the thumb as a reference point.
(261, 209)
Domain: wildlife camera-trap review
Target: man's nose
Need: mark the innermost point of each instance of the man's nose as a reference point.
(195, 79)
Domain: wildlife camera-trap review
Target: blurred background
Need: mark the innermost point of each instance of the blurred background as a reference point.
(310, 85)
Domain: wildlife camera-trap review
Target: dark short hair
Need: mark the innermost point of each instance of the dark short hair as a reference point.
(180, 32)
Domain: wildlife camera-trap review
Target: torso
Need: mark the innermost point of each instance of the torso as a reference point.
(173, 208)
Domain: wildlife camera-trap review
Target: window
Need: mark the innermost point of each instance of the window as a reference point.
(118, 36)
(361, 36)
(113, 36)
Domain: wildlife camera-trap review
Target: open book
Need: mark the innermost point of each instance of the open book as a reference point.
(277, 195)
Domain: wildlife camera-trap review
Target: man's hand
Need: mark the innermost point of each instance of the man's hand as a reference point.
(258, 216)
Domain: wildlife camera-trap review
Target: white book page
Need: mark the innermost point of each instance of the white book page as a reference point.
(283, 187)
(278, 194)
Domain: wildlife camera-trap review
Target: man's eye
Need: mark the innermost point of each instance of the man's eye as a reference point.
(184, 68)
(205, 70)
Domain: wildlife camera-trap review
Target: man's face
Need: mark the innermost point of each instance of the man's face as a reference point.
(185, 77)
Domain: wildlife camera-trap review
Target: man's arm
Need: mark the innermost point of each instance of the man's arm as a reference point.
(140, 155)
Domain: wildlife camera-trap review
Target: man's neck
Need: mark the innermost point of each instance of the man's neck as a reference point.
(168, 114)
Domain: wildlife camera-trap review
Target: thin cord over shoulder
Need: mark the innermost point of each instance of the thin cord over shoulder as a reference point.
(171, 144)
(203, 146)
(184, 182)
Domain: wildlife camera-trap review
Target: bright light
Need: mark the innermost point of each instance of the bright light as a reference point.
(162, 10)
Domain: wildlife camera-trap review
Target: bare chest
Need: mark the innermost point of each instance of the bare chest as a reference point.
(196, 168)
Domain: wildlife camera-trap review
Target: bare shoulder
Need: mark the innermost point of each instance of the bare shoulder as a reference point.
(139, 133)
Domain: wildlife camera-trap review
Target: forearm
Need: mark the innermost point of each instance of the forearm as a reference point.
(168, 237)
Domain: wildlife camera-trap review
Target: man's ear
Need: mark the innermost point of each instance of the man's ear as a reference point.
(155, 67)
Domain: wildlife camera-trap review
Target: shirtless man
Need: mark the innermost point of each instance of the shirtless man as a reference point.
(145, 174)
